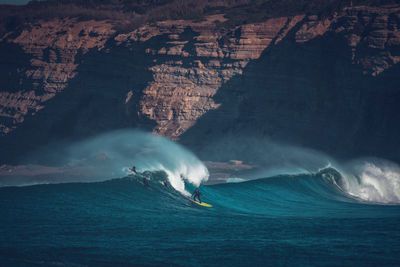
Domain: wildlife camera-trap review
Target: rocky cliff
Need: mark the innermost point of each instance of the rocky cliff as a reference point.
(331, 83)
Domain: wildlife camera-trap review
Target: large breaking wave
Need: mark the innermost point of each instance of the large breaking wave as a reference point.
(109, 156)
(372, 180)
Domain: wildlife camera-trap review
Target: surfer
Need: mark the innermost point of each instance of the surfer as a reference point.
(197, 194)
(165, 183)
(133, 169)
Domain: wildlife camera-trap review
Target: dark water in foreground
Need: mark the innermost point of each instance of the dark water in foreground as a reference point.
(286, 220)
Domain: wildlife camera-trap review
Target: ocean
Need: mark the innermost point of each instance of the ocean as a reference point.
(288, 220)
(328, 216)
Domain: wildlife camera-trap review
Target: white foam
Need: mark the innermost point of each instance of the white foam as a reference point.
(194, 173)
(375, 181)
(110, 155)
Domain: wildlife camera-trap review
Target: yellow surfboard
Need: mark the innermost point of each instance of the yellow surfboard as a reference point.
(202, 204)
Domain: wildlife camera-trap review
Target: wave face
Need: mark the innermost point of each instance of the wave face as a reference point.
(326, 194)
(306, 195)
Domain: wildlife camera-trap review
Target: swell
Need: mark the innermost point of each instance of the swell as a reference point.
(109, 155)
(307, 195)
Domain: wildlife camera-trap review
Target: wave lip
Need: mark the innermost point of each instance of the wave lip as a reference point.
(369, 180)
(376, 181)
(108, 156)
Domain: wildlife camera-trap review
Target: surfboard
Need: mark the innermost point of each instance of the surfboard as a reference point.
(202, 204)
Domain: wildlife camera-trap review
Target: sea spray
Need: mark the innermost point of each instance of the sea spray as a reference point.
(368, 180)
(109, 156)
(144, 150)
(268, 157)
(375, 180)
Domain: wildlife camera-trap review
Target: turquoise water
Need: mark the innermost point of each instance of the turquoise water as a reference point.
(286, 220)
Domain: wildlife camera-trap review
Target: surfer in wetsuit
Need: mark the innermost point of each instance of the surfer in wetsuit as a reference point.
(133, 169)
(197, 194)
(165, 183)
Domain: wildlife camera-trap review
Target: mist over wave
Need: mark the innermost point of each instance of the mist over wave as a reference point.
(110, 155)
(269, 157)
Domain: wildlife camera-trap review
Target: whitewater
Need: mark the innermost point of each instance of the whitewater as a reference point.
(341, 214)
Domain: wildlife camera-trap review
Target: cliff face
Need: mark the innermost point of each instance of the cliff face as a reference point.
(192, 62)
(320, 82)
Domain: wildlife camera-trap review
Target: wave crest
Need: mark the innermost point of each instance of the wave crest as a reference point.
(372, 180)
(109, 155)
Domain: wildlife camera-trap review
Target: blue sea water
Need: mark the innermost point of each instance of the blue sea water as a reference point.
(287, 220)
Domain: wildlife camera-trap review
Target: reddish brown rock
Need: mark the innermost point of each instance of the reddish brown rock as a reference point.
(191, 60)
(53, 46)
(181, 93)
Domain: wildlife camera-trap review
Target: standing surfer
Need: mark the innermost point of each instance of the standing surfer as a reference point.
(133, 169)
(165, 183)
(197, 194)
